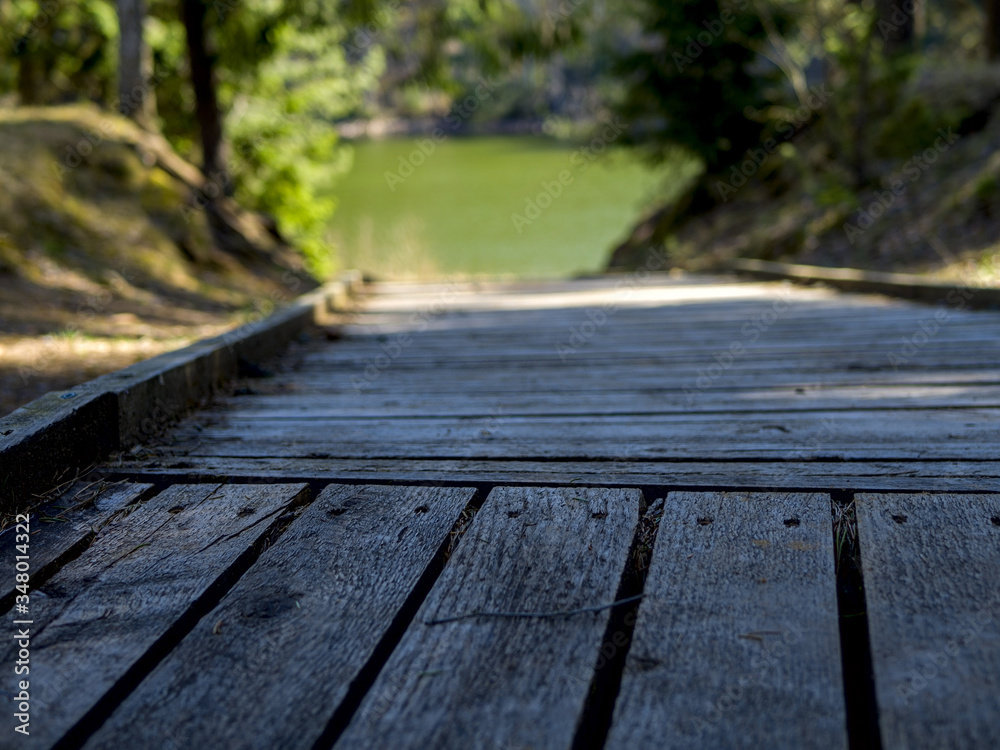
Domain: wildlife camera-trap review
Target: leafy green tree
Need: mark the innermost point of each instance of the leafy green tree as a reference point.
(693, 76)
(702, 79)
(58, 51)
(285, 156)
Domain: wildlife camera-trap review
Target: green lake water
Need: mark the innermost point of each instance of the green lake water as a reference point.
(452, 214)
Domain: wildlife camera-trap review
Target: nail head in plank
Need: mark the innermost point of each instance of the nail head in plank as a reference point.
(109, 608)
(270, 664)
(931, 565)
(736, 643)
(488, 682)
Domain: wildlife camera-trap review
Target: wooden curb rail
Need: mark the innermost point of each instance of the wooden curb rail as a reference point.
(65, 431)
(906, 286)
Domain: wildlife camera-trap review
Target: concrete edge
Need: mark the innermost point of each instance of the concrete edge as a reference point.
(63, 432)
(905, 286)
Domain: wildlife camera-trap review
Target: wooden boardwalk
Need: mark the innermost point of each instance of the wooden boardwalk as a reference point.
(412, 532)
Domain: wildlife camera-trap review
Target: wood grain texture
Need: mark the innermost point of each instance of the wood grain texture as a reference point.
(652, 401)
(109, 608)
(931, 566)
(593, 382)
(736, 644)
(489, 682)
(696, 376)
(848, 435)
(296, 630)
(477, 354)
(61, 528)
(859, 476)
(606, 383)
(661, 347)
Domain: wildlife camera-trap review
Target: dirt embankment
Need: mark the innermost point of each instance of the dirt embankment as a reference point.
(109, 256)
(931, 207)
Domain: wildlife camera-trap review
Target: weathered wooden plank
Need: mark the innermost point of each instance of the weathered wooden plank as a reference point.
(488, 682)
(59, 529)
(606, 347)
(98, 624)
(938, 434)
(792, 311)
(672, 341)
(719, 400)
(931, 565)
(956, 476)
(694, 382)
(600, 344)
(499, 333)
(643, 369)
(886, 448)
(712, 317)
(798, 355)
(637, 426)
(737, 643)
(697, 377)
(51, 439)
(269, 665)
(667, 340)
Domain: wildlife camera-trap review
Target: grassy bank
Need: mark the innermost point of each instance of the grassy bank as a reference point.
(105, 255)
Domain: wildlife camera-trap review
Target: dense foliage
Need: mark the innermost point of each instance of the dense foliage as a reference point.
(694, 75)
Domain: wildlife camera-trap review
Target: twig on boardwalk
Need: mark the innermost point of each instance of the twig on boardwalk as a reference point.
(557, 613)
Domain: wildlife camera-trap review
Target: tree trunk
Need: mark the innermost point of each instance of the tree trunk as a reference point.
(860, 125)
(895, 25)
(32, 80)
(202, 60)
(135, 93)
(992, 31)
(35, 85)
